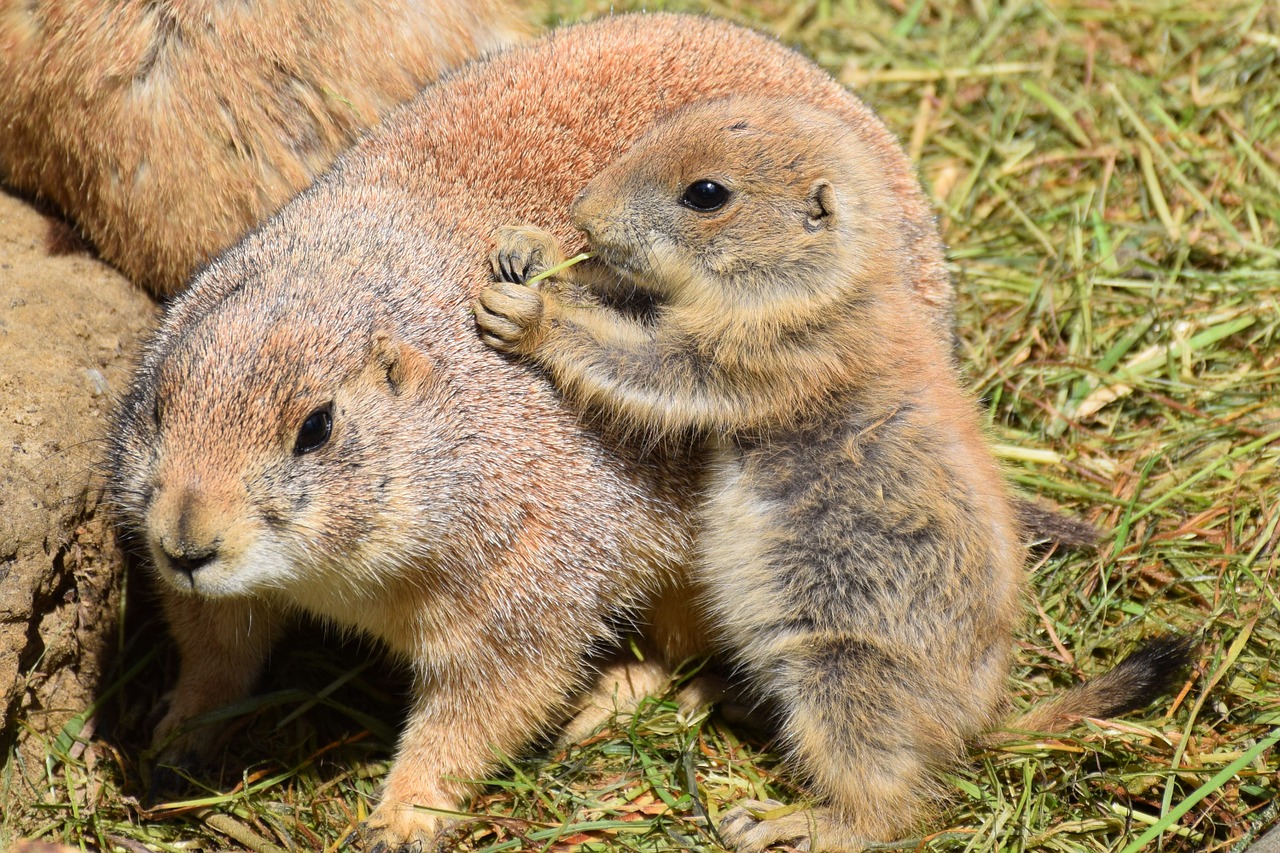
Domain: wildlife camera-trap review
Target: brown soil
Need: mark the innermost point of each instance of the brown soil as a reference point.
(68, 328)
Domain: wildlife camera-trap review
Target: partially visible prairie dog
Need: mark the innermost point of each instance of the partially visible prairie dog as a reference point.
(753, 283)
(166, 130)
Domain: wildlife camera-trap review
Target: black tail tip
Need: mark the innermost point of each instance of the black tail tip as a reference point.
(1153, 670)
(1047, 526)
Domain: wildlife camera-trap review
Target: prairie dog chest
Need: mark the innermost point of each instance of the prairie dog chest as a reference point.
(729, 483)
(743, 479)
(735, 507)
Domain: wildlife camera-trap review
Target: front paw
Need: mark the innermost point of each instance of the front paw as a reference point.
(522, 252)
(179, 748)
(509, 315)
(399, 828)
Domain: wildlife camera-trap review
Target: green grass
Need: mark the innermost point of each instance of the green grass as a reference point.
(1107, 175)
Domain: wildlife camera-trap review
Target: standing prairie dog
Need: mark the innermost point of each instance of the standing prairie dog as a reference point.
(165, 130)
(860, 556)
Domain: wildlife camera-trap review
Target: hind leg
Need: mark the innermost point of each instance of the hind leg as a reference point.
(674, 635)
(868, 726)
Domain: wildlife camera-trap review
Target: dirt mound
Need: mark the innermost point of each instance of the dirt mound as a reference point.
(68, 328)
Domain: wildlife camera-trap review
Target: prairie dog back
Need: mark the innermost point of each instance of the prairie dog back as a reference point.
(166, 130)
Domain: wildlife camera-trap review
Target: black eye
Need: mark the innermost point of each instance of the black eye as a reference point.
(315, 431)
(705, 195)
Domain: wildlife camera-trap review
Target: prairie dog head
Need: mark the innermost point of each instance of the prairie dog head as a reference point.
(743, 200)
(296, 445)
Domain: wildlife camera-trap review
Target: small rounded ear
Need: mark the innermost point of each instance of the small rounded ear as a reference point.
(820, 206)
(396, 363)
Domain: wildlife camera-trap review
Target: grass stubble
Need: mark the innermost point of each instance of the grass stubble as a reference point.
(1107, 175)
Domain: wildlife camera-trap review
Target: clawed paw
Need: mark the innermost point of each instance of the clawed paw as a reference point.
(522, 252)
(507, 314)
(509, 311)
(756, 825)
(397, 828)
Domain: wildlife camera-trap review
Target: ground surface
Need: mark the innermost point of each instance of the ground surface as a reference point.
(1107, 175)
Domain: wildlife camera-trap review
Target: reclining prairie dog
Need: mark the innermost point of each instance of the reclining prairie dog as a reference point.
(166, 130)
(315, 425)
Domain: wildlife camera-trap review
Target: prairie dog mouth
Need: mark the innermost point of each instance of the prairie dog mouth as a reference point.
(615, 258)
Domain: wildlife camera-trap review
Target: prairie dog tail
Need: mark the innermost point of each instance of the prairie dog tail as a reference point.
(1041, 522)
(1134, 683)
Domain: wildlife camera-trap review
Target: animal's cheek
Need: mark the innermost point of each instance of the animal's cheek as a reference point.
(258, 562)
(325, 509)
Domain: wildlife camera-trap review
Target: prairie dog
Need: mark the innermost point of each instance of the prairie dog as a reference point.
(859, 555)
(166, 130)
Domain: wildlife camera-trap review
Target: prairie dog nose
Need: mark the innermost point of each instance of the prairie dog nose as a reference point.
(186, 530)
(190, 560)
(188, 557)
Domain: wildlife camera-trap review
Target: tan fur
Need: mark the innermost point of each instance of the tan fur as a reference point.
(860, 555)
(459, 512)
(167, 130)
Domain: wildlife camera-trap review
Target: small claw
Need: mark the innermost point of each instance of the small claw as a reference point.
(498, 344)
(520, 271)
(511, 265)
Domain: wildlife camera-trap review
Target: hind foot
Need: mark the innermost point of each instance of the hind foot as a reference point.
(750, 828)
(621, 687)
(399, 828)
